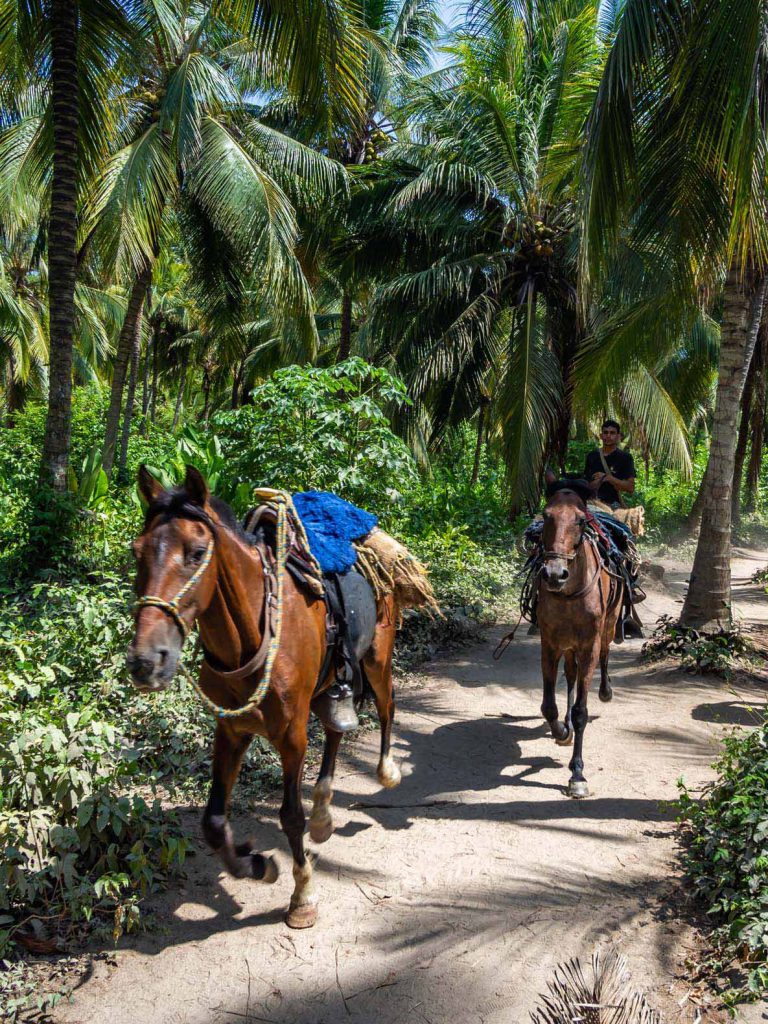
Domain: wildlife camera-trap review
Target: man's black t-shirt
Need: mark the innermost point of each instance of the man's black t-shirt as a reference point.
(621, 465)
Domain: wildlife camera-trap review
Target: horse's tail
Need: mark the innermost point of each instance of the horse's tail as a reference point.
(391, 569)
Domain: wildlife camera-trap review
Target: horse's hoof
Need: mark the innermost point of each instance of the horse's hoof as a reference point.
(605, 695)
(265, 868)
(303, 916)
(578, 789)
(321, 829)
(566, 741)
(388, 773)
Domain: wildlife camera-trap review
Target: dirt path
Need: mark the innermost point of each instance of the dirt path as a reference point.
(453, 897)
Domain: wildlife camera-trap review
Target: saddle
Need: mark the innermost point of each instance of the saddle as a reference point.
(350, 616)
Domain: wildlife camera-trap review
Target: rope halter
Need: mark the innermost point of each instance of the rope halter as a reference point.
(172, 607)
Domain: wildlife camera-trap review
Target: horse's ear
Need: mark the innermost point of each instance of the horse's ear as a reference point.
(196, 486)
(549, 477)
(149, 487)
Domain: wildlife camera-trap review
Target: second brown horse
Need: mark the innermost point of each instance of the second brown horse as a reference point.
(579, 602)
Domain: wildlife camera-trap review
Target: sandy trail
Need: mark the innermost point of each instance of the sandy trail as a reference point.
(453, 897)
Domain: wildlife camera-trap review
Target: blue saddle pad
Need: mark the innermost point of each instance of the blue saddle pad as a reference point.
(331, 524)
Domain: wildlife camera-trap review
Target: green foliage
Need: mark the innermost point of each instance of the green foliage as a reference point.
(310, 428)
(726, 833)
(719, 652)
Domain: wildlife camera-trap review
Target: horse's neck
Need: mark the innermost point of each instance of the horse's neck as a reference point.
(229, 627)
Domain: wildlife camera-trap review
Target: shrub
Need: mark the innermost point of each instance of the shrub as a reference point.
(726, 859)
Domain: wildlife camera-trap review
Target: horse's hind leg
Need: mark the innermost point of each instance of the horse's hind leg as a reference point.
(240, 859)
(320, 821)
(605, 693)
(302, 912)
(377, 665)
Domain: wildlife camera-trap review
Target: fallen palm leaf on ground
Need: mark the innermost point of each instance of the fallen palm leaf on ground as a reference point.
(600, 993)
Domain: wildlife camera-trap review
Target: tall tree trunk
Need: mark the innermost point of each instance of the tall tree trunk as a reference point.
(345, 329)
(145, 386)
(182, 383)
(757, 424)
(237, 377)
(481, 418)
(206, 394)
(155, 376)
(125, 347)
(14, 393)
(742, 440)
(570, 348)
(129, 400)
(62, 232)
(709, 593)
(693, 522)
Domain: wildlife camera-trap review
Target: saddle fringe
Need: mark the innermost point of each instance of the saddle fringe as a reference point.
(390, 568)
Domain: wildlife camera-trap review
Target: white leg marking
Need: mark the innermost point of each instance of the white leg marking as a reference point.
(388, 773)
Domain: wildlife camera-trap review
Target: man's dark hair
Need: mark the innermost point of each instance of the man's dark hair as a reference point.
(611, 423)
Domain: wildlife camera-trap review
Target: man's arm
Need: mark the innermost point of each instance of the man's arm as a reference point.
(628, 486)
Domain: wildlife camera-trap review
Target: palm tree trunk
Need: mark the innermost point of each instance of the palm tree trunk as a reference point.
(129, 400)
(145, 386)
(130, 330)
(345, 329)
(206, 394)
(236, 385)
(155, 376)
(62, 231)
(693, 522)
(757, 424)
(182, 384)
(742, 440)
(481, 417)
(709, 593)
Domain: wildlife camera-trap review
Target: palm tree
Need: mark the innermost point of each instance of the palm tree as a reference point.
(193, 150)
(61, 47)
(677, 144)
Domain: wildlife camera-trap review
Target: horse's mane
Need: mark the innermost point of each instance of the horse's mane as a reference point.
(577, 487)
(176, 504)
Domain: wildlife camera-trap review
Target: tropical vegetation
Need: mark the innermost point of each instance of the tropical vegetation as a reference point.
(337, 245)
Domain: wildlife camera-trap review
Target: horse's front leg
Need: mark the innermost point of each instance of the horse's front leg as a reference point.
(302, 912)
(240, 859)
(587, 662)
(550, 659)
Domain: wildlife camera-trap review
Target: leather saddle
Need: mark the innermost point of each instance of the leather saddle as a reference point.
(350, 619)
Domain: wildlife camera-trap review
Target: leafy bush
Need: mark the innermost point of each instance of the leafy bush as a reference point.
(311, 428)
(718, 652)
(726, 859)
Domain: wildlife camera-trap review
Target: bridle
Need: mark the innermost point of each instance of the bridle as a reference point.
(569, 556)
(173, 607)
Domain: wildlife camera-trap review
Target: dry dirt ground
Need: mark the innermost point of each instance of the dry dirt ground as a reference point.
(453, 897)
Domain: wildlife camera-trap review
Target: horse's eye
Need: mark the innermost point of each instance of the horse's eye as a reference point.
(195, 556)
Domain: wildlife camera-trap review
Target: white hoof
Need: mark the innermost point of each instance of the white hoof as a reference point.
(578, 789)
(388, 773)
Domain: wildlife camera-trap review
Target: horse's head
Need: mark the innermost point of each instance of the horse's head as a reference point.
(561, 537)
(175, 578)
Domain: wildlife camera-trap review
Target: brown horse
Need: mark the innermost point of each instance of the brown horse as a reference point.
(578, 605)
(192, 546)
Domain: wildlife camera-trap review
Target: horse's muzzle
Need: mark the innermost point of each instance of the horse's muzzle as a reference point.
(151, 670)
(555, 576)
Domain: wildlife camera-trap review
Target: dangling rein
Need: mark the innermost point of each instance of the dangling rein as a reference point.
(281, 500)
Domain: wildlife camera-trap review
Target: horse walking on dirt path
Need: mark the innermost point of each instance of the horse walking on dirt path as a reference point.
(195, 563)
(579, 602)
